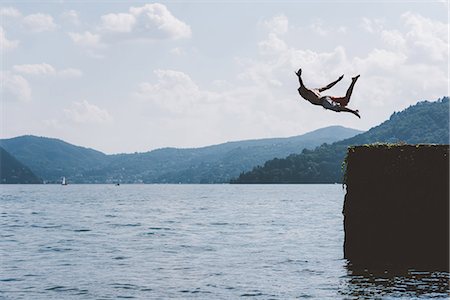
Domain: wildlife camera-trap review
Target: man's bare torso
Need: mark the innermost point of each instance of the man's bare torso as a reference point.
(312, 96)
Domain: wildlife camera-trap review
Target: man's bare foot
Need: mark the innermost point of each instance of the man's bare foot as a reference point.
(356, 112)
(355, 78)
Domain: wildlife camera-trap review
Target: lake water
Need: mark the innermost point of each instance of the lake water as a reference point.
(186, 241)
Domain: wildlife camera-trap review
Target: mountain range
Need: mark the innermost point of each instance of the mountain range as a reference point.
(423, 123)
(315, 157)
(13, 171)
(51, 159)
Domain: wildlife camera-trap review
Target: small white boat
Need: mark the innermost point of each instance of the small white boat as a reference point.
(63, 181)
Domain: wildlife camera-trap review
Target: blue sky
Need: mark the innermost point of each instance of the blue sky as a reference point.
(134, 76)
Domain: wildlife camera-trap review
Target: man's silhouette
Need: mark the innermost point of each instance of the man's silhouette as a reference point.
(336, 104)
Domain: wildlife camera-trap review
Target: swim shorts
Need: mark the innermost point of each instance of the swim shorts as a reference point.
(327, 103)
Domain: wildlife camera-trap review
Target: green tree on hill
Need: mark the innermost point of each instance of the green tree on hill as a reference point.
(425, 122)
(13, 171)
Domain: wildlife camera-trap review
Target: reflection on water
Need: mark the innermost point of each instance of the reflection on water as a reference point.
(364, 283)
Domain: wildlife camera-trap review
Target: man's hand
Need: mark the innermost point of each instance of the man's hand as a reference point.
(299, 72)
(340, 77)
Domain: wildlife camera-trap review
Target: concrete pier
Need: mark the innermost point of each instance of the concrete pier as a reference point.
(396, 210)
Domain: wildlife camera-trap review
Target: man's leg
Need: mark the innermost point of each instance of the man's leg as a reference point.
(327, 104)
(355, 112)
(350, 88)
(343, 101)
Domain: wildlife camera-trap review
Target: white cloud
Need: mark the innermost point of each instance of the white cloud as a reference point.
(174, 91)
(178, 51)
(52, 123)
(419, 38)
(35, 69)
(70, 73)
(6, 44)
(319, 28)
(260, 74)
(174, 79)
(273, 44)
(156, 21)
(232, 112)
(397, 64)
(392, 77)
(428, 35)
(380, 59)
(342, 29)
(148, 22)
(322, 29)
(45, 69)
(86, 39)
(121, 22)
(279, 24)
(10, 12)
(71, 16)
(39, 22)
(14, 87)
(275, 68)
(372, 25)
(394, 39)
(84, 112)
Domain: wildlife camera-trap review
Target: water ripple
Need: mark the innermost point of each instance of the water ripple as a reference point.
(187, 241)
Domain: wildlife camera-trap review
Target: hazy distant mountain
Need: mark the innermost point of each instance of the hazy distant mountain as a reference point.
(214, 164)
(425, 122)
(13, 171)
(51, 159)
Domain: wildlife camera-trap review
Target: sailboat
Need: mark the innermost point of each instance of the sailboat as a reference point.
(63, 181)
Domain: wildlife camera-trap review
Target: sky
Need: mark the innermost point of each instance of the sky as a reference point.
(132, 76)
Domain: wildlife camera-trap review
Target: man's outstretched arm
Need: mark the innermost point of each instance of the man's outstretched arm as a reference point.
(299, 75)
(331, 84)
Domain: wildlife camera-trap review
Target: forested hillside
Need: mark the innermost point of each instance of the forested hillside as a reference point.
(52, 158)
(13, 171)
(425, 122)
